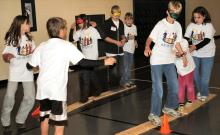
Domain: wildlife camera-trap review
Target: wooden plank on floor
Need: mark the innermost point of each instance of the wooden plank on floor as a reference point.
(144, 127)
(78, 105)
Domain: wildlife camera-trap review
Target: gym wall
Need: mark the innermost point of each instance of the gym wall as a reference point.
(45, 9)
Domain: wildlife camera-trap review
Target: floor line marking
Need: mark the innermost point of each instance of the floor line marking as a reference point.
(140, 67)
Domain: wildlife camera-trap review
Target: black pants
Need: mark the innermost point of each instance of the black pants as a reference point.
(115, 72)
(88, 78)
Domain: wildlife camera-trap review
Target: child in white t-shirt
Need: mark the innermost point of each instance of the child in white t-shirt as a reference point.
(200, 34)
(129, 48)
(53, 58)
(18, 50)
(165, 35)
(87, 38)
(185, 76)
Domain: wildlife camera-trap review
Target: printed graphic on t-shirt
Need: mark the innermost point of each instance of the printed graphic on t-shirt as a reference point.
(25, 49)
(197, 36)
(85, 41)
(169, 38)
(86, 38)
(130, 36)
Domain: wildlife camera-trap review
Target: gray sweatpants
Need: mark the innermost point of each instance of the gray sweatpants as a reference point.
(26, 104)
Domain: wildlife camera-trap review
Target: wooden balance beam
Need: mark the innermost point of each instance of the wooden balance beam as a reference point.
(144, 127)
(78, 105)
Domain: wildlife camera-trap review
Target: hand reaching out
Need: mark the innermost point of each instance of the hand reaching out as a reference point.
(110, 61)
(192, 48)
(7, 57)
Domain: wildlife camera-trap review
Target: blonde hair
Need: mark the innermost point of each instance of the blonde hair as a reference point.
(175, 6)
(54, 25)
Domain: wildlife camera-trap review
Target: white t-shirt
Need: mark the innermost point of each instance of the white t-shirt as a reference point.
(17, 68)
(116, 23)
(88, 39)
(130, 45)
(197, 33)
(164, 35)
(53, 58)
(179, 61)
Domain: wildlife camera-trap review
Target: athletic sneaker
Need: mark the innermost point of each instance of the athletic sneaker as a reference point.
(203, 98)
(171, 112)
(154, 119)
(181, 107)
(198, 96)
(132, 84)
(188, 103)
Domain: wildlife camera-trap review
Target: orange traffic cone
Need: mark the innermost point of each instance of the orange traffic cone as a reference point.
(165, 128)
(36, 112)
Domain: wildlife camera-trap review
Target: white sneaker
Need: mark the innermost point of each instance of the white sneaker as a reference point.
(188, 103)
(198, 96)
(154, 119)
(171, 112)
(203, 98)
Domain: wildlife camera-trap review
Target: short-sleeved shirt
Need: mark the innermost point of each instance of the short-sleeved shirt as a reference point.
(181, 70)
(130, 31)
(164, 35)
(53, 58)
(197, 33)
(88, 40)
(17, 68)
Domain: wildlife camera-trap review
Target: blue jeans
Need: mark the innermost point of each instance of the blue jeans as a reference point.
(128, 62)
(202, 74)
(157, 72)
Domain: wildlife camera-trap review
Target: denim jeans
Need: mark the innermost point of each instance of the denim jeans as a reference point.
(202, 74)
(157, 72)
(128, 62)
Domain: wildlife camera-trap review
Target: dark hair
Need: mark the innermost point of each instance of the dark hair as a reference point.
(54, 25)
(128, 15)
(85, 20)
(115, 7)
(13, 35)
(201, 10)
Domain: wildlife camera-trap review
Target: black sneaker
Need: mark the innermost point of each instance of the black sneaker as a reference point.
(132, 84)
(84, 100)
(7, 130)
(21, 126)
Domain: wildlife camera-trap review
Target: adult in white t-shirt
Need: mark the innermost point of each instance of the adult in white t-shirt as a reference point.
(200, 34)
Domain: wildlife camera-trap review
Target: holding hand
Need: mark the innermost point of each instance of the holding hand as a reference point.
(119, 43)
(93, 24)
(147, 52)
(185, 61)
(192, 48)
(7, 57)
(109, 61)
